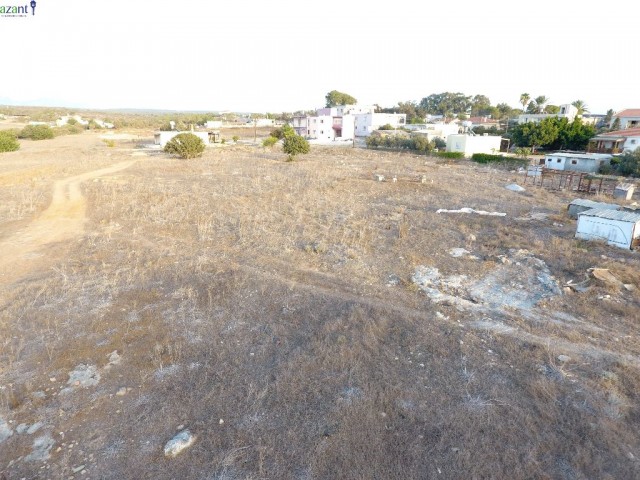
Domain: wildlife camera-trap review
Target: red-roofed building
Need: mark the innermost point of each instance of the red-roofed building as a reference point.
(629, 118)
(620, 141)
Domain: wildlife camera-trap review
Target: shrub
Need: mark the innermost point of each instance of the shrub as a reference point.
(186, 145)
(387, 126)
(269, 141)
(487, 158)
(109, 143)
(439, 143)
(629, 163)
(235, 138)
(36, 132)
(451, 155)
(294, 145)
(8, 142)
(284, 132)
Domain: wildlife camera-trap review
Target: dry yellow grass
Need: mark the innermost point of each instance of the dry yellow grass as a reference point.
(243, 288)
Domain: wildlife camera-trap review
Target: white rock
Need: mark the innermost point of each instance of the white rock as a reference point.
(514, 187)
(177, 444)
(458, 252)
(5, 430)
(563, 358)
(84, 376)
(122, 391)
(34, 428)
(20, 429)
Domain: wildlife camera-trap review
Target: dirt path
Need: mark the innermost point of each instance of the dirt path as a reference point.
(63, 220)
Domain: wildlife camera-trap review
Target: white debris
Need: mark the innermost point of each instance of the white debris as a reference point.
(471, 210)
(378, 177)
(177, 444)
(34, 428)
(514, 187)
(458, 252)
(563, 358)
(41, 448)
(83, 376)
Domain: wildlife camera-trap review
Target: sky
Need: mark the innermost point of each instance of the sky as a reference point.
(283, 56)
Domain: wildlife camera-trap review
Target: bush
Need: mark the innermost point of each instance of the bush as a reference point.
(186, 145)
(294, 145)
(8, 142)
(36, 132)
(487, 158)
(269, 141)
(628, 164)
(281, 133)
(451, 155)
(67, 130)
(387, 126)
(439, 143)
(235, 138)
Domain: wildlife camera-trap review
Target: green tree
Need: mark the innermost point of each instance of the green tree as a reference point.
(552, 109)
(629, 163)
(335, 98)
(606, 122)
(8, 141)
(185, 145)
(524, 100)
(481, 106)
(534, 134)
(541, 102)
(36, 132)
(294, 145)
(616, 124)
(446, 103)
(581, 106)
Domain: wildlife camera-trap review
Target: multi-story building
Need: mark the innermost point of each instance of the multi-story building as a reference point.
(343, 122)
(567, 111)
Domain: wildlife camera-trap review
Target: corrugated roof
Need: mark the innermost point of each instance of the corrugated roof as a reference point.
(583, 202)
(621, 215)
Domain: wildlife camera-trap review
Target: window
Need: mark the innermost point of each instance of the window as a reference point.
(549, 160)
(558, 160)
(321, 120)
(321, 132)
(633, 141)
(574, 162)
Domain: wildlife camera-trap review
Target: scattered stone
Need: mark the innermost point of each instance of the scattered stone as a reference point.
(378, 177)
(5, 430)
(84, 376)
(39, 395)
(41, 448)
(78, 469)
(458, 252)
(563, 358)
(34, 428)
(423, 179)
(221, 422)
(393, 281)
(177, 444)
(556, 224)
(114, 358)
(629, 287)
(122, 391)
(52, 379)
(514, 187)
(471, 237)
(20, 429)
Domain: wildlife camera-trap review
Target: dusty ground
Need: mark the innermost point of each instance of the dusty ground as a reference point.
(304, 321)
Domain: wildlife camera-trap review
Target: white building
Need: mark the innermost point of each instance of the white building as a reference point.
(343, 122)
(439, 130)
(567, 111)
(619, 141)
(576, 162)
(620, 228)
(213, 124)
(162, 138)
(470, 144)
(629, 118)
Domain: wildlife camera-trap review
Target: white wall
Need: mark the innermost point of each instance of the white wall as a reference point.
(575, 164)
(469, 144)
(615, 232)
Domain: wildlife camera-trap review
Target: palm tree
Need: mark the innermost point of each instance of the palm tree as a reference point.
(524, 99)
(541, 102)
(581, 106)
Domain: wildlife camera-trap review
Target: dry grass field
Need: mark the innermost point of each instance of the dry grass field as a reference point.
(304, 321)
